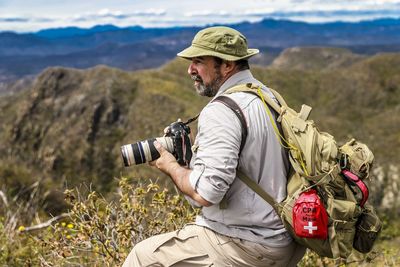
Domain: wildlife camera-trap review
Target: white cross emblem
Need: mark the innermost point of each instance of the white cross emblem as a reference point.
(310, 228)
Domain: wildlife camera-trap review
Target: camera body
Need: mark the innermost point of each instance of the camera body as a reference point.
(176, 141)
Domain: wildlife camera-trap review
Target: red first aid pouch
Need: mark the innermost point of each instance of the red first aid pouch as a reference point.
(310, 219)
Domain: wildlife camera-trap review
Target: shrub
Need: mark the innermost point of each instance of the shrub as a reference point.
(101, 233)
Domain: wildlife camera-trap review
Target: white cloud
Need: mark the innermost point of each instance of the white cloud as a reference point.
(109, 15)
(266, 10)
(39, 14)
(150, 11)
(106, 12)
(208, 13)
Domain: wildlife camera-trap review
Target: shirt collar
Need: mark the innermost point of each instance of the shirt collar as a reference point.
(240, 77)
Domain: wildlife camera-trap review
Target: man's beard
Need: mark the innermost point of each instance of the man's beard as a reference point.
(210, 89)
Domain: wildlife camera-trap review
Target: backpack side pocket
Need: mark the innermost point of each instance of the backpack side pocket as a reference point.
(367, 230)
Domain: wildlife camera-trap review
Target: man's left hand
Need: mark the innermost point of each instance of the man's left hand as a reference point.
(166, 162)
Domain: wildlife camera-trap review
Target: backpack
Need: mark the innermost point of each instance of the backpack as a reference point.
(331, 176)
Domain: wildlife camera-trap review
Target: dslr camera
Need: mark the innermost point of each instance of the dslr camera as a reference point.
(176, 141)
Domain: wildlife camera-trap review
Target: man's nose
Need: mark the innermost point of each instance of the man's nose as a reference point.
(191, 69)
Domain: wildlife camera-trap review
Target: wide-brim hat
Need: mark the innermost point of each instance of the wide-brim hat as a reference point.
(222, 42)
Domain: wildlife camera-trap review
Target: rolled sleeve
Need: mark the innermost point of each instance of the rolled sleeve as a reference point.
(195, 175)
(192, 202)
(214, 166)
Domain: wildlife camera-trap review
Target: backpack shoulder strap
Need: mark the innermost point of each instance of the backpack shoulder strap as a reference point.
(279, 107)
(254, 89)
(229, 102)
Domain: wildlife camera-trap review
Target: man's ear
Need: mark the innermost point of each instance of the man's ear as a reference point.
(228, 67)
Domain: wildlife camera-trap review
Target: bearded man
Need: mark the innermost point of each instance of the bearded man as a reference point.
(246, 230)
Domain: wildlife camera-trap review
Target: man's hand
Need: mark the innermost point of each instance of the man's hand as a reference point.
(166, 162)
(179, 175)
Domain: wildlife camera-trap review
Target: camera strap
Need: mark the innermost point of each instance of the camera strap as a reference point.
(191, 119)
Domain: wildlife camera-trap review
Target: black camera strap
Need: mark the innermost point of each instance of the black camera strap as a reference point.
(192, 119)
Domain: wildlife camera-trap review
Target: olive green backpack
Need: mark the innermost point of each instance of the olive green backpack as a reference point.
(317, 162)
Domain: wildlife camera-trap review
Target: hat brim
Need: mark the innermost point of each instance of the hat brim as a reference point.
(193, 51)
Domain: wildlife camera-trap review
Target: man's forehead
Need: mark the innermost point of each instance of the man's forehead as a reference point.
(203, 58)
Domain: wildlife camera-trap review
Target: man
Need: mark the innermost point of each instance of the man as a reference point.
(247, 232)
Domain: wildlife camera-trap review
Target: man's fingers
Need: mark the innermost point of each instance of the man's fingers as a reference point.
(166, 130)
(159, 147)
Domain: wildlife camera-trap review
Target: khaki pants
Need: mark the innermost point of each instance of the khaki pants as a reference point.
(198, 246)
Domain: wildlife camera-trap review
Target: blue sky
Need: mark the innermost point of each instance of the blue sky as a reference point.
(32, 15)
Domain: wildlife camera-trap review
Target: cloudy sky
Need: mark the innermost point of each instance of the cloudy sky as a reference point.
(32, 15)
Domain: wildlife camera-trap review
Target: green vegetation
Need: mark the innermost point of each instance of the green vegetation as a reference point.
(100, 232)
(95, 232)
(66, 130)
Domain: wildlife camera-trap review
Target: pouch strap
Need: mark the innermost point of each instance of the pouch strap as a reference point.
(360, 184)
(257, 189)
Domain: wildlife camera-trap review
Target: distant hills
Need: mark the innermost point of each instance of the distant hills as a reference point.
(66, 126)
(315, 58)
(134, 48)
(75, 31)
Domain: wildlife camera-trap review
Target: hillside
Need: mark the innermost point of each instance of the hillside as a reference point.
(68, 126)
(315, 58)
(361, 99)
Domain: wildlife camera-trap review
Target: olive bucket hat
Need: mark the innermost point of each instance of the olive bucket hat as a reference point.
(222, 42)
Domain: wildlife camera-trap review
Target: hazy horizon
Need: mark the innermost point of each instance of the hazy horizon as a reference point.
(19, 16)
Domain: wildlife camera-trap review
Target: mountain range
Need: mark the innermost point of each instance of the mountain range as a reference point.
(133, 48)
(66, 126)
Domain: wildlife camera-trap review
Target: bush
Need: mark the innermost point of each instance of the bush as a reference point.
(100, 232)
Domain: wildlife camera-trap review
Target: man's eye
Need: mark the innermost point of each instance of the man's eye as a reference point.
(197, 61)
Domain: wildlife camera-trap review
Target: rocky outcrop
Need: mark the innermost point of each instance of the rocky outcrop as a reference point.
(315, 58)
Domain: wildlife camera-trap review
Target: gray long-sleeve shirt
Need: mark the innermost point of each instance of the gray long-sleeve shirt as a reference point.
(247, 215)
